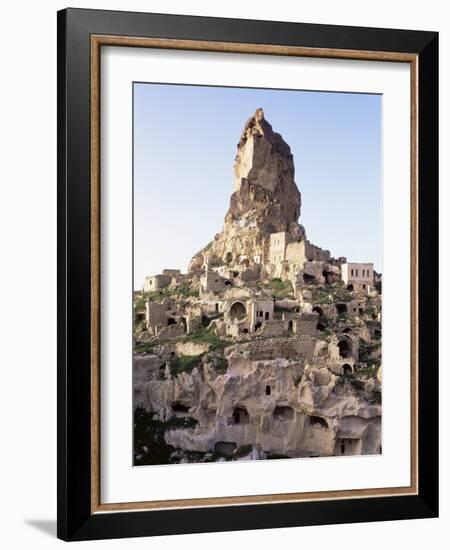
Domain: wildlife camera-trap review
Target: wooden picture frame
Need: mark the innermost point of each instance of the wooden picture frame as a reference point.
(81, 35)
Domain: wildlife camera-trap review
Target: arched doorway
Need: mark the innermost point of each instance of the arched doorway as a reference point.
(318, 422)
(350, 287)
(318, 310)
(240, 415)
(347, 369)
(283, 414)
(345, 348)
(238, 311)
(341, 309)
(267, 316)
(205, 321)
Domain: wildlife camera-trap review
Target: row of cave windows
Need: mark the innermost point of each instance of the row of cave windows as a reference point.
(365, 272)
(240, 416)
(341, 309)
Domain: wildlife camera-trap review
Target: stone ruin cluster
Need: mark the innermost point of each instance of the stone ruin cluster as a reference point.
(267, 347)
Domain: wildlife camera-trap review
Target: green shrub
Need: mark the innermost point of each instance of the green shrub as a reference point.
(220, 364)
(184, 363)
(149, 444)
(279, 289)
(370, 371)
(147, 347)
(354, 381)
(375, 397)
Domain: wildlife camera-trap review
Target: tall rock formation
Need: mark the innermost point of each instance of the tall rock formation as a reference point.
(265, 200)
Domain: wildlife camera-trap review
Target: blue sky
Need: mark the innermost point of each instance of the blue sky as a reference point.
(185, 141)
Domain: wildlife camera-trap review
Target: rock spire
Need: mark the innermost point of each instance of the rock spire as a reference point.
(265, 200)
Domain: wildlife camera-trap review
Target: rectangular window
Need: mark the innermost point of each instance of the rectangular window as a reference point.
(356, 272)
(351, 272)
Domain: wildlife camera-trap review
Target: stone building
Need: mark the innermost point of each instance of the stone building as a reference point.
(357, 276)
(212, 281)
(277, 251)
(164, 320)
(156, 282)
(169, 277)
(247, 316)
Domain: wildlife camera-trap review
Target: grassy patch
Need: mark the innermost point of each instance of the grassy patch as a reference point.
(139, 304)
(353, 381)
(204, 335)
(324, 334)
(370, 371)
(331, 294)
(279, 288)
(365, 353)
(148, 347)
(184, 363)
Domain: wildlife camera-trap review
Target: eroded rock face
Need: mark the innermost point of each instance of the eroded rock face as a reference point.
(265, 199)
(264, 173)
(285, 406)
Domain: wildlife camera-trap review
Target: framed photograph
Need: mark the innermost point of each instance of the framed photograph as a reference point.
(248, 300)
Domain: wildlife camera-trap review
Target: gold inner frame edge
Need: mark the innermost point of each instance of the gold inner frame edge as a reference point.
(97, 41)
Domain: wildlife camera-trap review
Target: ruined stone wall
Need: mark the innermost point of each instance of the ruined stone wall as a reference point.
(172, 331)
(313, 252)
(285, 347)
(212, 282)
(171, 272)
(273, 328)
(156, 282)
(155, 316)
(306, 325)
(296, 253)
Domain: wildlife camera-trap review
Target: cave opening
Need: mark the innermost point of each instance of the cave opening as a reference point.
(318, 422)
(341, 309)
(347, 369)
(345, 349)
(240, 415)
(283, 413)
